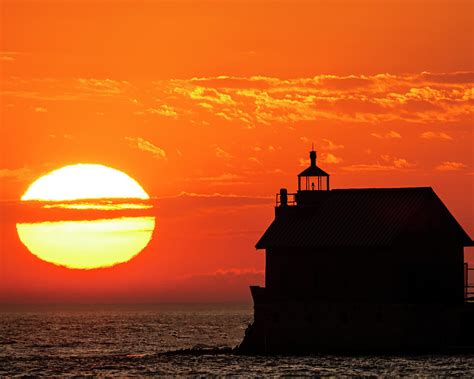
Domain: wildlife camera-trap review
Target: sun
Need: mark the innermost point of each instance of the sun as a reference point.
(84, 181)
(87, 244)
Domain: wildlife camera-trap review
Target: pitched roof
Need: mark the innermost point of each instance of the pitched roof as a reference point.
(313, 171)
(365, 217)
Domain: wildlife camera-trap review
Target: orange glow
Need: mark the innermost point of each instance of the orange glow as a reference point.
(84, 181)
(212, 107)
(87, 244)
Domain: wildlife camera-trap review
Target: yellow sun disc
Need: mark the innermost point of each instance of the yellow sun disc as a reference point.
(87, 244)
(84, 181)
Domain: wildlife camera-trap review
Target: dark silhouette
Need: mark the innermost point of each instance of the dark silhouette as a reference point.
(361, 270)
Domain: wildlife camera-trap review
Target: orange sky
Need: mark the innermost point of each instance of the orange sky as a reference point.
(197, 99)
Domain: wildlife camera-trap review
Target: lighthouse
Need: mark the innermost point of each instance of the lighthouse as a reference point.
(361, 270)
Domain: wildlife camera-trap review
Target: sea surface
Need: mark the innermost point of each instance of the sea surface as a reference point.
(145, 341)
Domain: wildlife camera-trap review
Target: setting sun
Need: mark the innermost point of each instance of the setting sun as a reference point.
(84, 181)
(87, 244)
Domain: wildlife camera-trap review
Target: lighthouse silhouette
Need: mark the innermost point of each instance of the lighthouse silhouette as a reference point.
(361, 270)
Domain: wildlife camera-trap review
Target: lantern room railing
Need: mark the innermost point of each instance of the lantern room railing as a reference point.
(468, 283)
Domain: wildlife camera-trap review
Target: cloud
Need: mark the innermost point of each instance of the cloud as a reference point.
(451, 166)
(369, 167)
(221, 153)
(74, 89)
(147, 146)
(436, 135)
(391, 164)
(459, 77)
(389, 135)
(9, 56)
(164, 110)
(40, 110)
(303, 162)
(274, 171)
(331, 145)
(234, 272)
(63, 136)
(402, 163)
(330, 158)
(422, 97)
(209, 95)
(226, 274)
(255, 160)
(253, 101)
(103, 87)
(218, 178)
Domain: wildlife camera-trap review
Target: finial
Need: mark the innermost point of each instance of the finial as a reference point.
(312, 156)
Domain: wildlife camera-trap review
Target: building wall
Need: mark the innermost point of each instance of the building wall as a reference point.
(397, 275)
(294, 327)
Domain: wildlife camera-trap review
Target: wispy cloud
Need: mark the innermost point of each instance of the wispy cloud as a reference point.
(330, 158)
(259, 100)
(451, 166)
(330, 145)
(402, 163)
(422, 98)
(104, 87)
(369, 167)
(40, 110)
(255, 160)
(164, 110)
(218, 178)
(146, 146)
(221, 153)
(236, 271)
(389, 135)
(436, 135)
(9, 56)
(389, 164)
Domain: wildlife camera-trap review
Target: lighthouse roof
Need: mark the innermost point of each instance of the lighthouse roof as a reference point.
(313, 171)
(365, 218)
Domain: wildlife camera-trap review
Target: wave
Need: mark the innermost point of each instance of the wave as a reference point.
(201, 349)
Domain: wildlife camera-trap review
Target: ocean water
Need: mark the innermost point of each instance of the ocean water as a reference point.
(121, 341)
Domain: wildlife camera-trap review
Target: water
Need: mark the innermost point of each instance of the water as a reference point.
(137, 341)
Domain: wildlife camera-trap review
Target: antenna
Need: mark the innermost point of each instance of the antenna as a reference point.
(312, 146)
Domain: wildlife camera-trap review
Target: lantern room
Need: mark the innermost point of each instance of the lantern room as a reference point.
(313, 178)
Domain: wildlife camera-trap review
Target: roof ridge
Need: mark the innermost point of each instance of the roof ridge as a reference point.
(383, 189)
